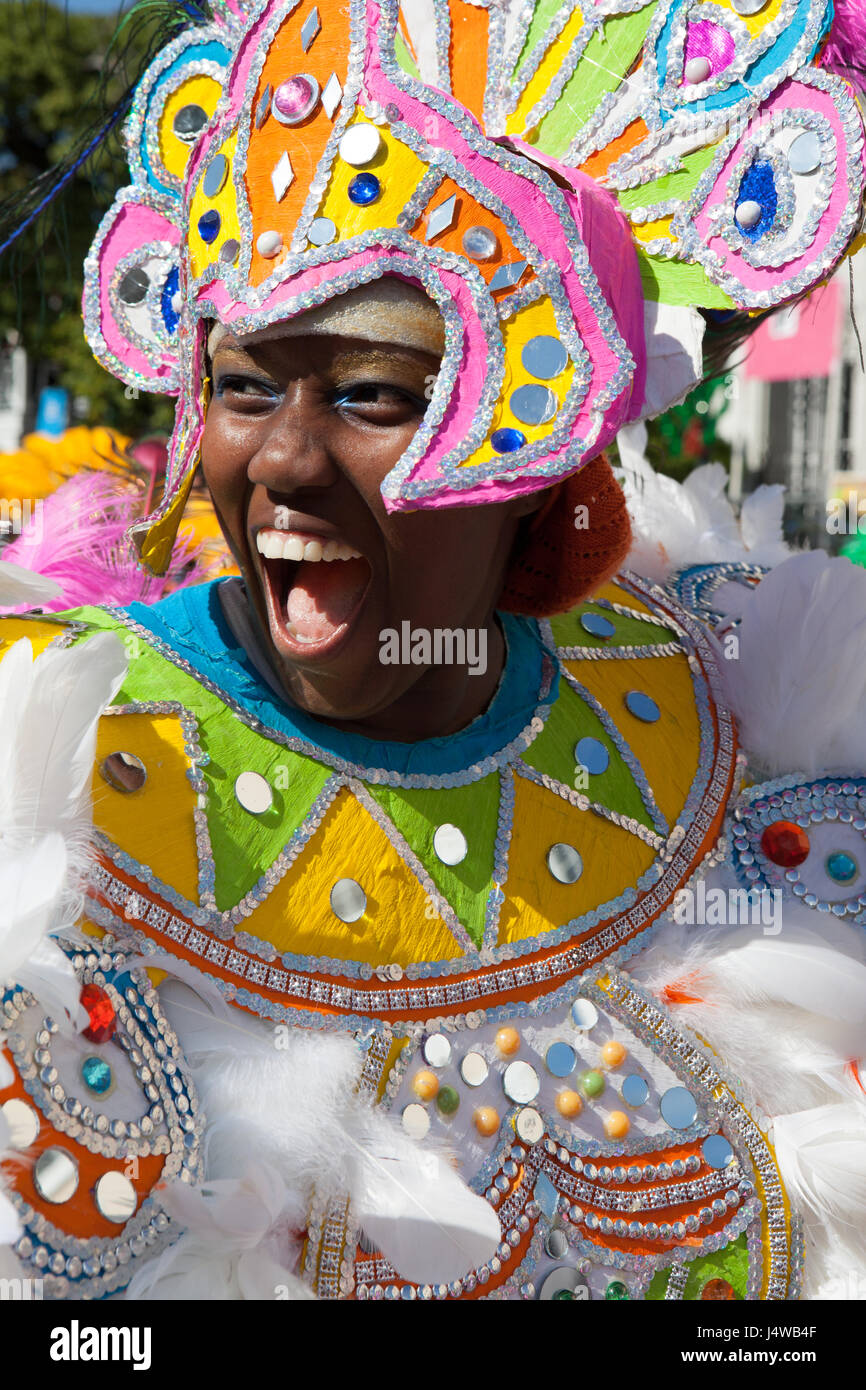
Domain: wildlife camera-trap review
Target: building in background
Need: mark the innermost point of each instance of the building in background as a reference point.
(798, 414)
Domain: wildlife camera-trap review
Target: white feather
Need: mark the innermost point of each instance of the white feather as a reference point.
(679, 524)
(19, 585)
(822, 1154)
(286, 1098)
(798, 687)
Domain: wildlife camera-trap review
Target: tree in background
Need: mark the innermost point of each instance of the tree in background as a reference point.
(62, 77)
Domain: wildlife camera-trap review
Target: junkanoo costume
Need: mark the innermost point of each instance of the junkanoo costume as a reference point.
(369, 955)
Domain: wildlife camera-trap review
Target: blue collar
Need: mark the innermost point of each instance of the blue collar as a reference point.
(191, 623)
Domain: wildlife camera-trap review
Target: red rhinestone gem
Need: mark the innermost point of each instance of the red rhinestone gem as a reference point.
(100, 1010)
(785, 843)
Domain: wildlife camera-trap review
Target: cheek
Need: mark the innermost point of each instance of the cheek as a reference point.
(225, 456)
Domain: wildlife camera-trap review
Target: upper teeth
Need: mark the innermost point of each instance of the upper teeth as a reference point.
(287, 547)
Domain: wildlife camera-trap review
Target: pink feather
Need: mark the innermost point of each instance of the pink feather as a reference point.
(845, 50)
(80, 540)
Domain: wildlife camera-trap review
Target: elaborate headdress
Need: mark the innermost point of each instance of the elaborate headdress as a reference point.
(569, 184)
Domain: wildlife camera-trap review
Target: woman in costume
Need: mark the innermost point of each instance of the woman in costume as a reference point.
(436, 840)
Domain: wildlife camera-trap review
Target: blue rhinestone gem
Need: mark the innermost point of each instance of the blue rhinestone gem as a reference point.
(596, 625)
(96, 1075)
(841, 867)
(169, 290)
(208, 225)
(364, 189)
(642, 706)
(505, 441)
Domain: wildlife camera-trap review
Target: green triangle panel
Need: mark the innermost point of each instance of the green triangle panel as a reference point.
(553, 753)
(630, 632)
(474, 809)
(245, 844)
(541, 19)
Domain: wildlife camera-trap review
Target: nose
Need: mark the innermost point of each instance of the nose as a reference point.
(294, 453)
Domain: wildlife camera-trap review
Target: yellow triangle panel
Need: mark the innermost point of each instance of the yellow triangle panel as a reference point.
(613, 860)
(395, 928)
(154, 824)
(666, 750)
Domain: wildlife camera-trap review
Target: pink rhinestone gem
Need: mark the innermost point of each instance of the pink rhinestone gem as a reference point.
(293, 97)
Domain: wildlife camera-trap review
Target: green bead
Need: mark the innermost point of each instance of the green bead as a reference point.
(616, 1290)
(447, 1100)
(563, 1293)
(592, 1084)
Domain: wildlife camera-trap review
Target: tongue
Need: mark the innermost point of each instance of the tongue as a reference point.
(324, 595)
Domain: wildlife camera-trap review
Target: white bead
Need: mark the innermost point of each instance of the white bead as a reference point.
(749, 213)
(360, 145)
(269, 244)
(697, 70)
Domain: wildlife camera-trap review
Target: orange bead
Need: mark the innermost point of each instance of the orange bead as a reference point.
(507, 1041)
(486, 1120)
(617, 1124)
(569, 1104)
(425, 1084)
(613, 1054)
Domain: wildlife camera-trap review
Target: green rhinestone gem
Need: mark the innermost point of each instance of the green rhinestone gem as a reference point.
(592, 1084)
(564, 1293)
(616, 1290)
(447, 1100)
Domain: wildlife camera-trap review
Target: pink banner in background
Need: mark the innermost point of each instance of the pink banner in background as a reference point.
(801, 341)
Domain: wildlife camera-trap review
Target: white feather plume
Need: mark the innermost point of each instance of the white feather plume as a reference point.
(690, 523)
(19, 585)
(798, 687)
(49, 710)
(286, 1099)
(787, 1014)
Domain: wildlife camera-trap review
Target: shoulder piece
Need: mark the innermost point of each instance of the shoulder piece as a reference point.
(556, 828)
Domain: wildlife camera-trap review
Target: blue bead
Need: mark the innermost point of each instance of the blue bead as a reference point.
(96, 1075)
(364, 189)
(592, 755)
(596, 625)
(642, 706)
(209, 225)
(169, 290)
(841, 867)
(505, 441)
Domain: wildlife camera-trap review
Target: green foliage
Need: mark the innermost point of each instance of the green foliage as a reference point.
(61, 77)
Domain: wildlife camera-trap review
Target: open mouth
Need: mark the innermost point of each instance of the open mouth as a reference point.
(314, 590)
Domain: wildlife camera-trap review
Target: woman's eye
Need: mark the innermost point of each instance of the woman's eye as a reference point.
(246, 390)
(379, 402)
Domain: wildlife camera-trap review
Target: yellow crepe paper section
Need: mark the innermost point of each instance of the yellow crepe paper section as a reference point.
(536, 318)
(613, 859)
(203, 253)
(297, 916)
(200, 91)
(155, 823)
(549, 66)
(666, 750)
(398, 170)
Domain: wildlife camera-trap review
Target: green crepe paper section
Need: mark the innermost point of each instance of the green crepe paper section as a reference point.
(732, 1264)
(601, 68)
(630, 632)
(553, 753)
(404, 57)
(675, 282)
(475, 810)
(680, 184)
(244, 845)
